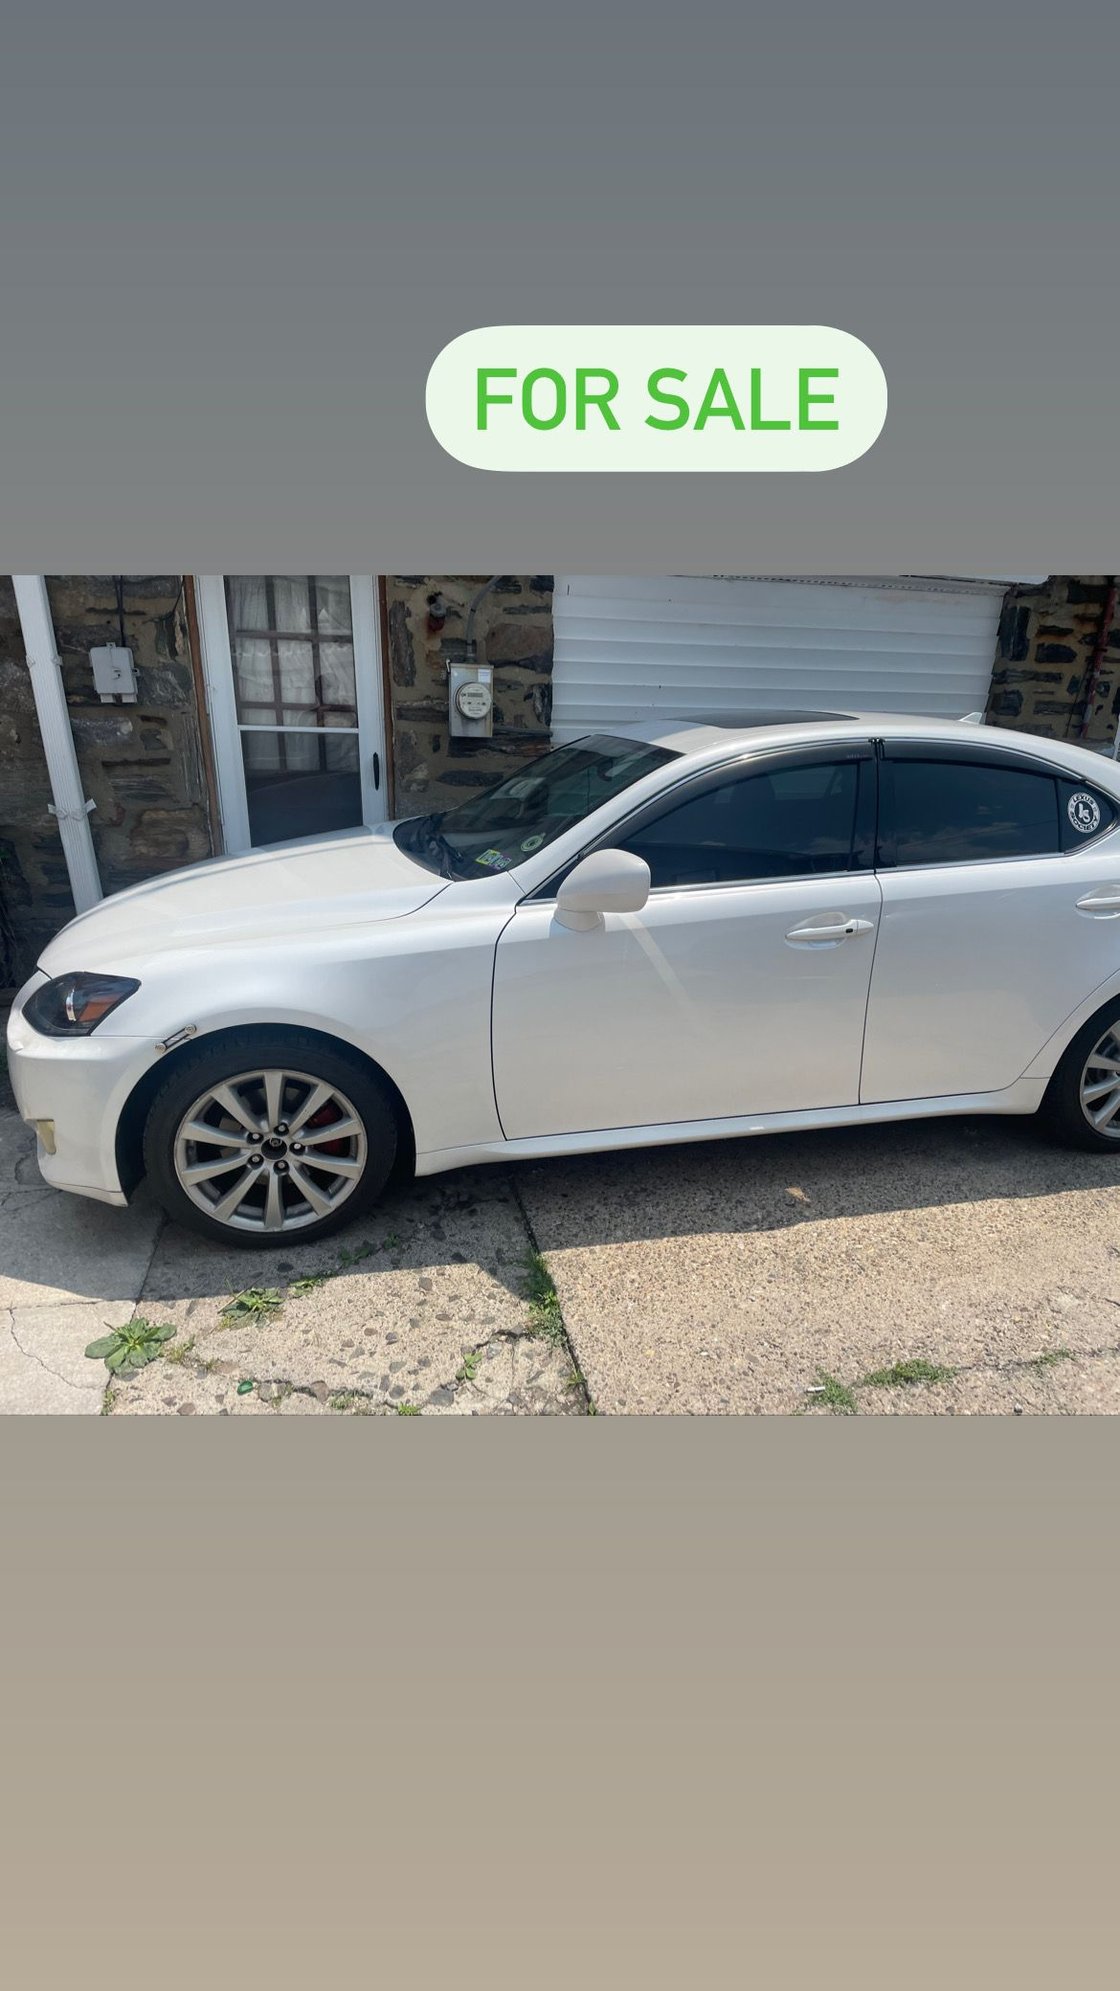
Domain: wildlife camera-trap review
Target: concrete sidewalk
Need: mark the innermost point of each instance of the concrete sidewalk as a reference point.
(948, 1266)
(731, 1276)
(424, 1308)
(69, 1271)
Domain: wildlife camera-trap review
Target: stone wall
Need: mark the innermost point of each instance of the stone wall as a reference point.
(513, 633)
(141, 764)
(1048, 638)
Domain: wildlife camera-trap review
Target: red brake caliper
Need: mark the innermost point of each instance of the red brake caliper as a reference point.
(323, 1118)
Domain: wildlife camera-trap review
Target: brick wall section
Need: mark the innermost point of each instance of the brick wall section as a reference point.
(1047, 640)
(513, 632)
(141, 764)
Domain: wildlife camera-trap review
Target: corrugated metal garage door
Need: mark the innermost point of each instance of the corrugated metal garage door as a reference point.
(722, 649)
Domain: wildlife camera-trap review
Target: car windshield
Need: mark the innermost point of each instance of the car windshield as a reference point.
(523, 814)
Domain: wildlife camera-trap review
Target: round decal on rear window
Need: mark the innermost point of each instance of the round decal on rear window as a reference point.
(1084, 812)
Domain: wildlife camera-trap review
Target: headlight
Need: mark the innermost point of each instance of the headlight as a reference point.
(73, 1005)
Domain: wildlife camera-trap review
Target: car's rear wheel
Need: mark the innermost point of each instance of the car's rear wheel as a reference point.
(269, 1140)
(1082, 1103)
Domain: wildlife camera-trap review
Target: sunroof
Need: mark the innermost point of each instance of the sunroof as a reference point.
(772, 718)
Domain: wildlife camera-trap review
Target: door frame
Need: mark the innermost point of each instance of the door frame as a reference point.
(216, 661)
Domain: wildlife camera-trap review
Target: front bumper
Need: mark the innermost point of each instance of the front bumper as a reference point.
(80, 1084)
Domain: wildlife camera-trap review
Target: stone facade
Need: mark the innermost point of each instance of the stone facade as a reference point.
(1051, 642)
(141, 764)
(513, 634)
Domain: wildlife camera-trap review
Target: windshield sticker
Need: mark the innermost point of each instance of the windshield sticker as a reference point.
(532, 843)
(1084, 812)
(493, 860)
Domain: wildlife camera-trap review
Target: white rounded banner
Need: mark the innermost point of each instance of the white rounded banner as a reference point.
(656, 397)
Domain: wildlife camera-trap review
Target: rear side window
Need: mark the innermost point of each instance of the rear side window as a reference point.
(956, 812)
(1083, 813)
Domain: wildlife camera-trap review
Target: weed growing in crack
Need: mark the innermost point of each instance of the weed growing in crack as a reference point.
(1051, 1358)
(257, 1303)
(309, 1283)
(131, 1347)
(834, 1394)
(545, 1317)
(902, 1373)
(180, 1351)
(408, 1410)
(354, 1253)
(470, 1366)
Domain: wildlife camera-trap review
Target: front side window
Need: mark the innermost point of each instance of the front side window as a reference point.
(524, 814)
(956, 812)
(788, 822)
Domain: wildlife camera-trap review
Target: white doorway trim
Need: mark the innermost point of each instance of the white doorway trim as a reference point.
(226, 729)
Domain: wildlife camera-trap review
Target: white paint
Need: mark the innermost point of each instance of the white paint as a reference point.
(70, 805)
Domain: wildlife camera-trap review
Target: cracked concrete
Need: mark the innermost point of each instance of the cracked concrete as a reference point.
(723, 1277)
(69, 1271)
(421, 1306)
(424, 1307)
(709, 1279)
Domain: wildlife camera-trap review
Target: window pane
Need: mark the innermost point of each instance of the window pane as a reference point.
(947, 812)
(532, 808)
(301, 784)
(279, 678)
(793, 822)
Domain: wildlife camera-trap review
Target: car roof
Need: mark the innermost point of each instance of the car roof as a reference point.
(710, 739)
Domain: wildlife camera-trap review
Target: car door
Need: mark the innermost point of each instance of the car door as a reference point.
(741, 987)
(1001, 886)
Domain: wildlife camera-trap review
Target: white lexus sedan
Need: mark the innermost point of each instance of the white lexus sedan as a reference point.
(663, 933)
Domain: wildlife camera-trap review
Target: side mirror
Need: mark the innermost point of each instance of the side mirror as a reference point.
(609, 881)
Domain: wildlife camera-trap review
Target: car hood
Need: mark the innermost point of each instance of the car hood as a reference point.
(351, 877)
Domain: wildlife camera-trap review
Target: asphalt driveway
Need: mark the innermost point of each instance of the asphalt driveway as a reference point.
(954, 1266)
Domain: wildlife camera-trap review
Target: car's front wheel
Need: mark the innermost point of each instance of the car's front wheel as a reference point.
(1082, 1104)
(269, 1139)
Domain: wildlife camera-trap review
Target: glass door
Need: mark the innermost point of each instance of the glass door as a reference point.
(293, 672)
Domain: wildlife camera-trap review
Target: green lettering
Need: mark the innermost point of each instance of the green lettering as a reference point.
(554, 420)
(805, 399)
(485, 398)
(676, 401)
(756, 403)
(719, 384)
(602, 400)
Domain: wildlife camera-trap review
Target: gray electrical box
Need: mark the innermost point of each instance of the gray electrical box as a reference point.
(471, 701)
(114, 673)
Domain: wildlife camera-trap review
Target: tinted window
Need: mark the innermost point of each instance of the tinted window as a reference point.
(788, 823)
(945, 812)
(1084, 813)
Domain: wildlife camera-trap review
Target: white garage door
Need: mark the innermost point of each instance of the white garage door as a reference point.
(718, 650)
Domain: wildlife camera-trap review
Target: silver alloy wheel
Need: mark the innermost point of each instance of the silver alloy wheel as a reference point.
(1100, 1085)
(270, 1150)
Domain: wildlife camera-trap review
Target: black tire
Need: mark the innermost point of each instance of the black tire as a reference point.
(293, 1050)
(1062, 1113)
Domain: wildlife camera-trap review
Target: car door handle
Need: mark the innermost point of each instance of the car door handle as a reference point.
(842, 929)
(1104, 903)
